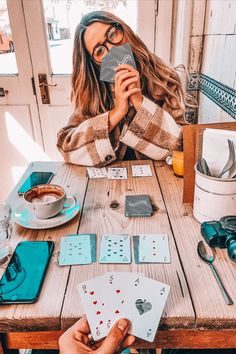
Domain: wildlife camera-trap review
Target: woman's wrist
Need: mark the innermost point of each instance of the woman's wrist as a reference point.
(137, 101)
(114, 117)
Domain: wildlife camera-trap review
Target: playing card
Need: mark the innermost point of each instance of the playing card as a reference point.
(117, 173)
(151, 248)
(138, 205)
(77, 249)
(98, 306)
(115, 249)
(141, 170)
(117, 55)
(145, 301)
(94, 172)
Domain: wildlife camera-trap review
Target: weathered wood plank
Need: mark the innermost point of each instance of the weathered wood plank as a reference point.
(211, 310)
(164, 339)
(99, 218)
(45, 313)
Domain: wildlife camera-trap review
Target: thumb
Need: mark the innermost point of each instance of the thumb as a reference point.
(114, 338)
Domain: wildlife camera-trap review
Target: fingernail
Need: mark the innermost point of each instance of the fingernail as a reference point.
(123, 324)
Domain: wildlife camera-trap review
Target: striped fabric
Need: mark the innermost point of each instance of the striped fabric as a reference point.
(152, 132)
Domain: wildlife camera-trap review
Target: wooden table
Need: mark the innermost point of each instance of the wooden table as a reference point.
(195, 315)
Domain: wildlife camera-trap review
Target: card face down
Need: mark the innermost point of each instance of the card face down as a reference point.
(113, 295)
(117, 55)
(77, 249)
(138, 205)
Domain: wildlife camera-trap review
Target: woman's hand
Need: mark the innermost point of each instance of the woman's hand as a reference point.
(76, 341)
(135, 98)
(127, 87)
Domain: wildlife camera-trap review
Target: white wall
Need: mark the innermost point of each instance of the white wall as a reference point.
(219, 54)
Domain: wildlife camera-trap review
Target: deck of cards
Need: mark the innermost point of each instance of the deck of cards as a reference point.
(138, 205)
(116, 295)
(117, 55)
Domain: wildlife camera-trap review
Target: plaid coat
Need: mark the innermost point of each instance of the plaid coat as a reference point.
(152, 132)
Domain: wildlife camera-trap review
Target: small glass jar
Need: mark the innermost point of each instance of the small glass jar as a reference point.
(178, 163)
(5, 232)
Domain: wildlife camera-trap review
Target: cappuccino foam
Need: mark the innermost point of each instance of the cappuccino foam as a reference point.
(45, 198)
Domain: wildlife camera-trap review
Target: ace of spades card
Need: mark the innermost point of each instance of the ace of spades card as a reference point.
(145, 301)
(116, 56)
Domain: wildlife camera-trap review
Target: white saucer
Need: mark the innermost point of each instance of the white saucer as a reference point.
(22, 216)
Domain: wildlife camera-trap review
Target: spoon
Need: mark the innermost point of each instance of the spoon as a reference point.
(209, 259)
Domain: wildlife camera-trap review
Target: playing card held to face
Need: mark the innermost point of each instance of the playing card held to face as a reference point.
(117, 173)
(115, 249)
(94, 172)
(77, 249)
(141, 170)
(138, 205)
(117, 55)
(151, 248)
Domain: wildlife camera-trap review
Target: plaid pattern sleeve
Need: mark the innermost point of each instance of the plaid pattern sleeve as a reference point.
(153, 131)
(88, 142)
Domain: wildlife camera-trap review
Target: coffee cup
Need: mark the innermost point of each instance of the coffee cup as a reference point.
(47, 200)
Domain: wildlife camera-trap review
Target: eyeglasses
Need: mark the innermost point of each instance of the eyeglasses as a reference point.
(114, 35)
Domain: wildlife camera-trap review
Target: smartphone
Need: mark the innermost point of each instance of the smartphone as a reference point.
(34, 179)
(23, 278)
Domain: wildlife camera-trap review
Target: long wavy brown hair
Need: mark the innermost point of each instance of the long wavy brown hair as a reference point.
(91, 97)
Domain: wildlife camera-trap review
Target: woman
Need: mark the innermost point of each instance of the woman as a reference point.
(136, 117)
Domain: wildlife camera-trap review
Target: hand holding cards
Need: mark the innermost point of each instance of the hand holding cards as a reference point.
(123, 295)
